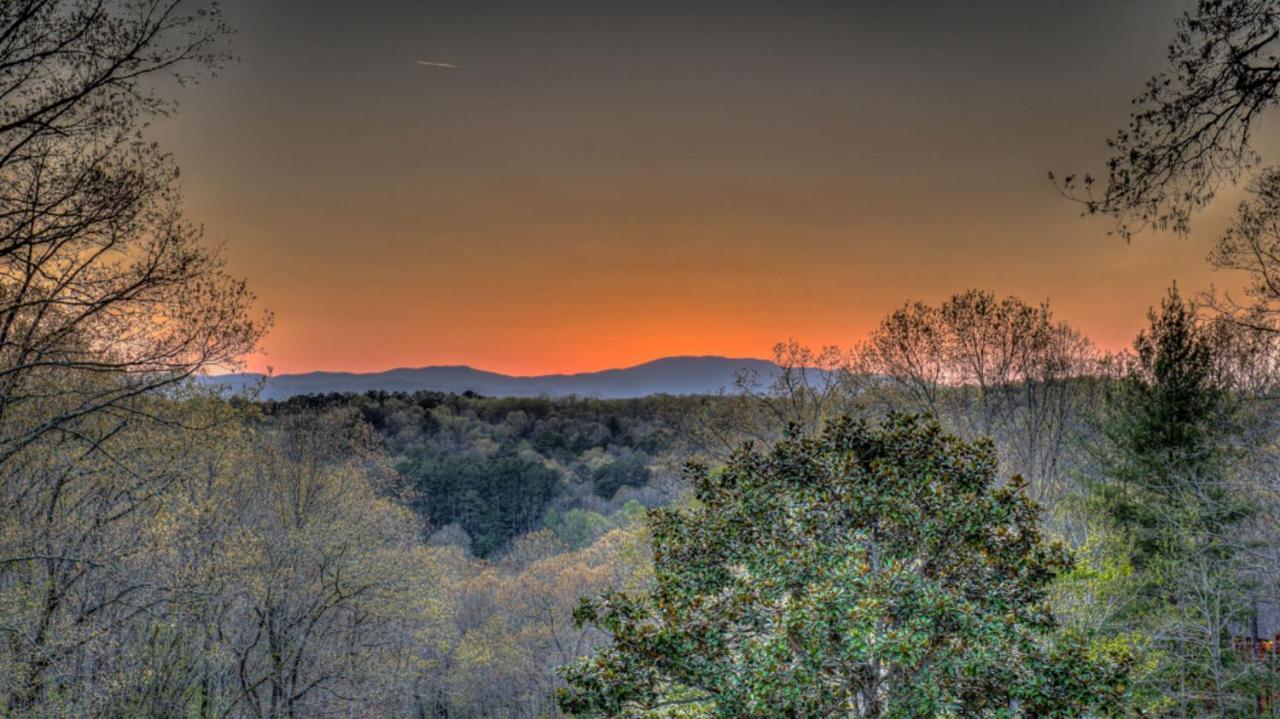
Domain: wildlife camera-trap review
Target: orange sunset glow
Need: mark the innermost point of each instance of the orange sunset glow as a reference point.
(599, 186)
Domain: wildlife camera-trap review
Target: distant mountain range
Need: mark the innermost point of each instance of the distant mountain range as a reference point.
(670, 375)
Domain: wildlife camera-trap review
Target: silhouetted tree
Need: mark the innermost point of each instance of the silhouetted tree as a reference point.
(1192, 129)
(106, 291)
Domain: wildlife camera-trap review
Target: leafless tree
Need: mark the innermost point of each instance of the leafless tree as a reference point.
(803, 389)
(100, 274)
(107, 296)
(1192, 128)
(989, 367)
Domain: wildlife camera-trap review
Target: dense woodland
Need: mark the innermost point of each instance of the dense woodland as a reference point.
(973, 512)
(483, 471)
(425, 554)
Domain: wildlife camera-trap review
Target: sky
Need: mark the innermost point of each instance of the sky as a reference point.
(557, 187)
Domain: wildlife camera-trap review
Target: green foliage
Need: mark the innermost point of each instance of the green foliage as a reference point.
(629, 469)
(496, 466)
(1087, 601)
(631, 513)
(1168, 435)
(577, 527)
(492, 498)
(865, 572)
(1175, 517)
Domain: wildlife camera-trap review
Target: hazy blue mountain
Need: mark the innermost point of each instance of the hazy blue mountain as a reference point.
(670, 375)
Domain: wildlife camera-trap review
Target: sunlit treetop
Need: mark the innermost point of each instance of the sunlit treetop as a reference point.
(864, 572)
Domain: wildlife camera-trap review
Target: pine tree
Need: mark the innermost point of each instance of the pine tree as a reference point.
(1167, 491)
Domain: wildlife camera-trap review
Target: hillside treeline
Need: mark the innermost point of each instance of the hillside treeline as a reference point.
(185, 554)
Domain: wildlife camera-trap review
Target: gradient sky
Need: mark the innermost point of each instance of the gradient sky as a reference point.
(599, 184)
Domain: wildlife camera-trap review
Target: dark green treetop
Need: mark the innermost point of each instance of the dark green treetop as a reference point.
(1169, 443)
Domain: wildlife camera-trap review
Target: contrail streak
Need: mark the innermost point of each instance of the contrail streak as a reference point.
(429, 63)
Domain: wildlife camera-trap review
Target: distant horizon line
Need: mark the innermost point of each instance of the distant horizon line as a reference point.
(488, 371)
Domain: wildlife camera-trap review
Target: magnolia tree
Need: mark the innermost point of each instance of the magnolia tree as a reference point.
(861, 573)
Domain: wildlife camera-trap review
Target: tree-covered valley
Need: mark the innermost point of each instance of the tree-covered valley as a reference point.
(426, 554)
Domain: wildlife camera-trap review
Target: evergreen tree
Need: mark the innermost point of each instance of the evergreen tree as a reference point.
(1167, 491)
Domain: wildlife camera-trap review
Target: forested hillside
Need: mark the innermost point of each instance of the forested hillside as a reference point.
(424, 554)
(481, 471)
